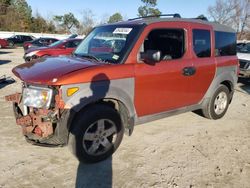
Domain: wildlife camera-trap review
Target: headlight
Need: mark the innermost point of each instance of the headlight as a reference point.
(31, 54)
(37, 97)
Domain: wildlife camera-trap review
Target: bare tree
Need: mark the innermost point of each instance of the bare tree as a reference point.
(87, 23)
(103, 19)
(235, 13)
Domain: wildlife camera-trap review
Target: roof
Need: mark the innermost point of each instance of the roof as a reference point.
(147, 21)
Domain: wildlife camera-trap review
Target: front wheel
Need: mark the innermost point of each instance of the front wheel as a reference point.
(218, 104)
(97, 132)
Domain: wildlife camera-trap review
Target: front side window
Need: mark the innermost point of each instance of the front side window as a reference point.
(108, 43)
(37, 41)
(170, 42)
(57, 43)
(72, 44)
(202, 43)
(27, 38)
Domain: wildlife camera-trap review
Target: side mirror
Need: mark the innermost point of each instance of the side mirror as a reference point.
(151, 56)
(63, 47)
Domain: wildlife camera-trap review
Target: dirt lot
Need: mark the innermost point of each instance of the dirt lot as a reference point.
(181, 151)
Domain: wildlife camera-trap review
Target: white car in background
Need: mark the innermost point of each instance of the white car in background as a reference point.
(244, 59)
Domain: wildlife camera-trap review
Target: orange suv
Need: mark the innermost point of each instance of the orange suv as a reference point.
(122, 75)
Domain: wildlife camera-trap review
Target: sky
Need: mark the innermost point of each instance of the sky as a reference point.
(102, 9)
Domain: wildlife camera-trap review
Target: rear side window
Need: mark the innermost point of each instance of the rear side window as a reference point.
(169, 41)
(225, 43)
(202, 43)
(70, 44)
(53, 40)
(27, 38)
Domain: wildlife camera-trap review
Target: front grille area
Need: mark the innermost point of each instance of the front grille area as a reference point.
(244, 64)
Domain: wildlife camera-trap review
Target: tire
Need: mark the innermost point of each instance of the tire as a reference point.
(28, 59)
(11, 44)
(96, 134)
(218, 104)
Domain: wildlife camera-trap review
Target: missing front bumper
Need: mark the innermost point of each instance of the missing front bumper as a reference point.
(40, 126)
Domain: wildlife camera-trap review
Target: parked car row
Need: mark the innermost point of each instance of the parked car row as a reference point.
(39, 42)
(35, 48)
(28, 41)
(19, 39)
(61, 47)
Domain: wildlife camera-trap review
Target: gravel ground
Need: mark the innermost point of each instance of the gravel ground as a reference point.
(181, 151)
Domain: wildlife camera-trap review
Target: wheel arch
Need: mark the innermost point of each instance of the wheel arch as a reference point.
(128, 121)
(224, 76)
(118, 94)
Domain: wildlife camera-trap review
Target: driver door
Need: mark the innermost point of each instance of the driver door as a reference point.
(162, 86)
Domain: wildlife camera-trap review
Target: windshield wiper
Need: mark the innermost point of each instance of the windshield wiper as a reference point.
(88, 56)
(91, 57)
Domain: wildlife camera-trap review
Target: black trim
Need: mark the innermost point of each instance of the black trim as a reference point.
(131, 46)
(175, 15)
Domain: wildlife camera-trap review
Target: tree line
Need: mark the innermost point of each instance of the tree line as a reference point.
(16, 15)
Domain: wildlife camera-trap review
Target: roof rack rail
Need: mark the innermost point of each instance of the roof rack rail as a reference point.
(176, 15)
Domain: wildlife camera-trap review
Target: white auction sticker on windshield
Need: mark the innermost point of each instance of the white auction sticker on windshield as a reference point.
(122, 31)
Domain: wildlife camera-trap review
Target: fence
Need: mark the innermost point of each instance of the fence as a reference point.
(6, 34)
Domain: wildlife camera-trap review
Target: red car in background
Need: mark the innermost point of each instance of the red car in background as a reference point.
(39, 42)
(3, 43)
(62, 47)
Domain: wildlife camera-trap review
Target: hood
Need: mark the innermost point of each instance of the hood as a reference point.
(244, 56)
(44, 70)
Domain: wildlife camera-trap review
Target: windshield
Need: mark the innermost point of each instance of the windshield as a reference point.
(245, 48)
(108, 43)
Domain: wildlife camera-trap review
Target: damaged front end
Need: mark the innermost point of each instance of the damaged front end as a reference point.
(41, 114)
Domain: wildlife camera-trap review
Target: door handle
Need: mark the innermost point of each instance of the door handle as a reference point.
(188, 71)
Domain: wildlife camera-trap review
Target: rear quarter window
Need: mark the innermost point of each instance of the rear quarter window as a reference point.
(202, 43)
(225, 43)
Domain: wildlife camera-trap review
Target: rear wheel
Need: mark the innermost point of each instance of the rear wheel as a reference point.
(218, 104)
(97, 132)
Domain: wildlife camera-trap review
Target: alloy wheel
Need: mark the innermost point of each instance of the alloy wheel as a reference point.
(99, 137)
(220, 103)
